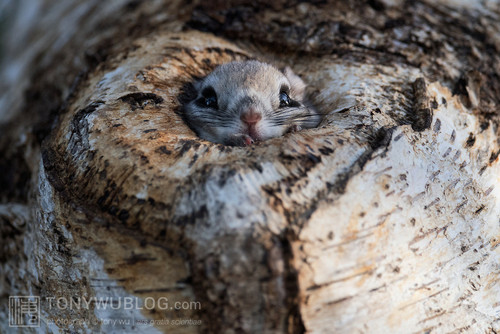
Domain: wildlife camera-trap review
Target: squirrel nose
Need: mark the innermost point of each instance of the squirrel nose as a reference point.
(251, 117)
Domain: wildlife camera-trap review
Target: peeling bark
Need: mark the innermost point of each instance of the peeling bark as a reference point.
(382, 219)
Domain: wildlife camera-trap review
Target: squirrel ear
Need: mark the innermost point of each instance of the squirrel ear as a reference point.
(298, 86)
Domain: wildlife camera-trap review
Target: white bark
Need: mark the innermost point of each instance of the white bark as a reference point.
(383, 219)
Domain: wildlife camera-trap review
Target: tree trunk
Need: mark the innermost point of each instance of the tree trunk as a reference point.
(382, 219)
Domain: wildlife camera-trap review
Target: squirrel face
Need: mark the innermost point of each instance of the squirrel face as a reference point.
(242, 102)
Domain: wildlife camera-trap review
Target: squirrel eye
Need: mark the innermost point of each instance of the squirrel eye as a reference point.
(211, 102)
(284, 100)
(209, 98)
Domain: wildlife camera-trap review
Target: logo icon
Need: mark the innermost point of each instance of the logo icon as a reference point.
(24, 311)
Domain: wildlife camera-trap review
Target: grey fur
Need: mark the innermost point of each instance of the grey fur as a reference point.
(243, 86)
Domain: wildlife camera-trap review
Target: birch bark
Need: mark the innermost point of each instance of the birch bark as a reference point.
(383, 219)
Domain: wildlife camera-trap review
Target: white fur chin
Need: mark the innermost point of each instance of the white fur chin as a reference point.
(271, 132)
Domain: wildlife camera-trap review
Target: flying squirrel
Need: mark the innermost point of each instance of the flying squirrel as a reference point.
(242, 102)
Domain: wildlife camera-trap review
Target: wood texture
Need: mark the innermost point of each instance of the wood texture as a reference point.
(383, 219)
